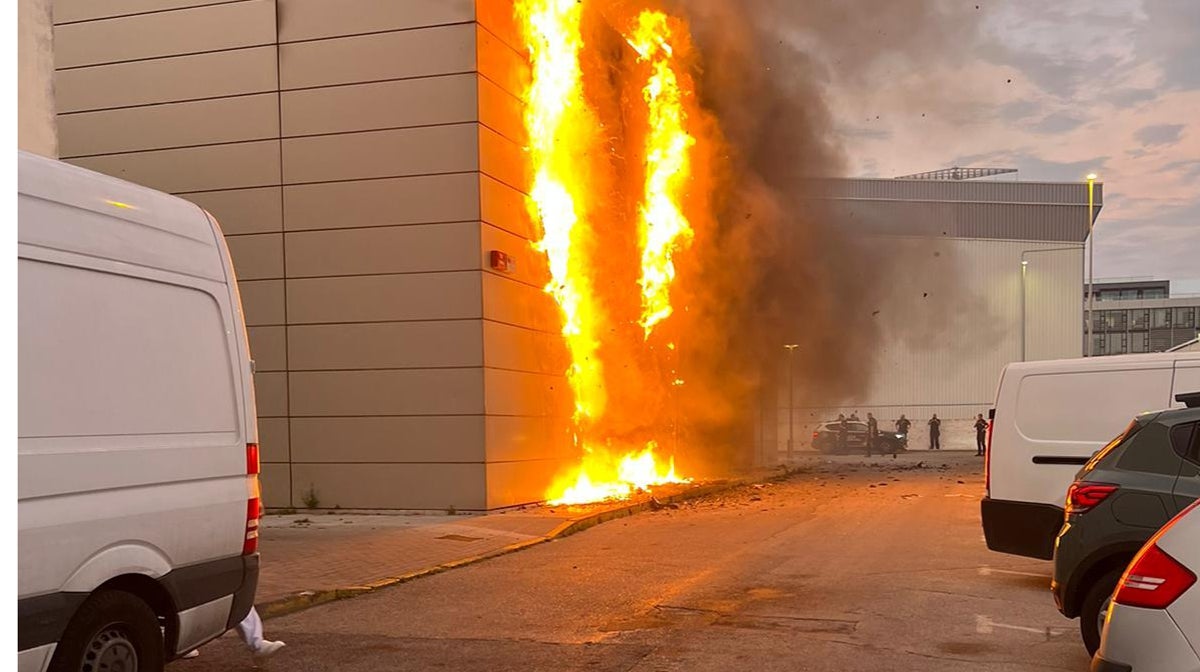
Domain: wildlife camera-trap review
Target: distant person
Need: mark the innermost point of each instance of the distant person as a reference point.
(872, 432)
(843, 430)
(902, 426)
(251, 630)
(854, 416)
(935, 433)
(981, 426)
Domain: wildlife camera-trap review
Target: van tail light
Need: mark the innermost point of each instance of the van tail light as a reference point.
(252, 463)
(987, 457)
(1153, 580)
(253, 514)
(1082, 496)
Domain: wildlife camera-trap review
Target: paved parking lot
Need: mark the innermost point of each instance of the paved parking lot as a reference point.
(854, 565)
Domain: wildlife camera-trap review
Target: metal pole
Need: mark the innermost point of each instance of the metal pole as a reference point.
(1024, 266)
(791, 444)
(1091, 264)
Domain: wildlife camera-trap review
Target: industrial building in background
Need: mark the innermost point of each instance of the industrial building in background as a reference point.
(1140, 315)
(988, 272)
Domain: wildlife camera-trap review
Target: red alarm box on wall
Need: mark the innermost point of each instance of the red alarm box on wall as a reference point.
(502, 262)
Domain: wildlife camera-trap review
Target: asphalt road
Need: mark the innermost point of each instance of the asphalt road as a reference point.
(855, 566)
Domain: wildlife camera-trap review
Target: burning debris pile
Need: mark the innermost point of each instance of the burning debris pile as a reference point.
(666, 161)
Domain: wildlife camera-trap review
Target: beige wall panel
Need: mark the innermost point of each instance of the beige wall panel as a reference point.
(273, 440)
(528, 394)
(240, 211)
(521, 349)
(224, 73)
(503, 65)
(497, 16)
(516, 483)
(382, 298)
(262, 301)
(505, 207)
(403, 200)
(449, 99)
(396, 153)
(501, 111)
(503, 159)
(270, 393)
(268, 348)
(184, 31)
(531, 267)
(512, 438)
(397, 439)
(244, 164)
(403, 392)
(393, 486)
(386, 345)
(67, 11)
(391, 249)
(517, 303)
(199, 122)
(258, 256)
(312, 19)
(372, 58)
(276, 484)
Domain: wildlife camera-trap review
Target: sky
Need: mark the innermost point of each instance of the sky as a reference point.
(1056, 89)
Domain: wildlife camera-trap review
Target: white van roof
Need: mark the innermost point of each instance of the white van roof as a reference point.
(1101, 363)
(114, 219)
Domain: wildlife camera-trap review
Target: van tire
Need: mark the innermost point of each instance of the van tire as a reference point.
(1095, 602)
(111, 623)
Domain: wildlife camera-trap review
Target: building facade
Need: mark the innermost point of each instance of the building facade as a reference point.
(1141, 316)
(364, 160)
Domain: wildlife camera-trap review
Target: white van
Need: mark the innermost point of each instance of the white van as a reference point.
(138, 499)
(1050, 417)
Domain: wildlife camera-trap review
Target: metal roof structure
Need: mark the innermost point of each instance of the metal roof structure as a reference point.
(997, 210)
(958, 173)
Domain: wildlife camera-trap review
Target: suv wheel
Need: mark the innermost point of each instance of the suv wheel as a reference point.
(113, 630)
(1094, 608)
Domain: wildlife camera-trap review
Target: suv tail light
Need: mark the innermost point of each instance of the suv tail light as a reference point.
(253, 512)
(816, 434)
(1082, 496)
(1153, 580)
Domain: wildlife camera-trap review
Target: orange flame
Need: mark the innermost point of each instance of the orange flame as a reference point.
(558, 119)
(663, 227)
(562, 127)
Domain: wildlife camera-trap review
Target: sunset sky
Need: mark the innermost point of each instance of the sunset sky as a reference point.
(1056, 89)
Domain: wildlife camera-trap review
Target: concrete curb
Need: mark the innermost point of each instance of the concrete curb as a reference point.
(310, 598)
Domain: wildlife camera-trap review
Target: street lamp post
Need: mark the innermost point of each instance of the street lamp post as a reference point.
(791, 444)
(1091, 182)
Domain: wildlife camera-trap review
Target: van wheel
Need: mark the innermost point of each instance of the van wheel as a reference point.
(1094, 608)
(113, 631)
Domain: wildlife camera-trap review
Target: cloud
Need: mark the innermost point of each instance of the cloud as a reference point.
(1159, 134)
(1170, 39)
(1057, 122)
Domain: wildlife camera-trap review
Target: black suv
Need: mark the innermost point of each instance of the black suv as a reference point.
(1119, 499)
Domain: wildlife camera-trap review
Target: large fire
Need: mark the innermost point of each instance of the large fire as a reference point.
(579, 221)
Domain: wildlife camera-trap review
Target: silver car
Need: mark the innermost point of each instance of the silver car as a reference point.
(1153, 624)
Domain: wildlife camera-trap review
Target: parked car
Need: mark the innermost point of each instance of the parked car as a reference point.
(137, 495)
(1142, 478)
(825, 439)
(1050, 418)
(1154, 622)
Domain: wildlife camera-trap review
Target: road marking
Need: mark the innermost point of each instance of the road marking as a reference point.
(986, 626)
(987, 571)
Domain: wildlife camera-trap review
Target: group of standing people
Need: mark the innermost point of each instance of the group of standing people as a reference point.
(903, 424)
